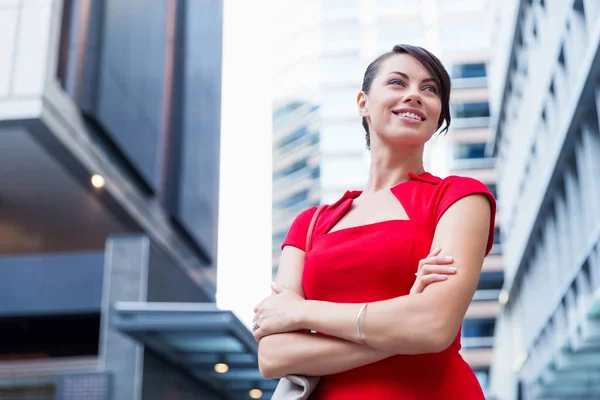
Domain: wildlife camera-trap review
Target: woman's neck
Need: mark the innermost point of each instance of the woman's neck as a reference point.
(389, 168)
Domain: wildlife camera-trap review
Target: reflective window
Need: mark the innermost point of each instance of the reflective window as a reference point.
(478, 327)
(284, 110)
(491, 280)
(297, 134)
(483, 327)
(463, 151)
(497, 235)
(477, 70)
(470, 110)
(483, 378)
(292, 200)
(297, 166)
(492, 187)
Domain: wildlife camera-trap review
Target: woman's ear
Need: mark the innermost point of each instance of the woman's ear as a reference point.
(362, 103)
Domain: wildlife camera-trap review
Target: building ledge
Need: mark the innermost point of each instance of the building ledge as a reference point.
(570, 368)
(196, 337)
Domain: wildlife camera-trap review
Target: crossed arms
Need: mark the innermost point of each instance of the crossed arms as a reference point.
(429, 320)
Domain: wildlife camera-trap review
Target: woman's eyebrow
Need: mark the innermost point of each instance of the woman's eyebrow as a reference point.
(402, 74)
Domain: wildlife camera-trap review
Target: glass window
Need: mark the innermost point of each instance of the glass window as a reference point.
(491, 280)
(292, 200)
(483, 378)
(297, 134)
(286, 109)
(297, 166)
(470, 110)
(478, 327)
(497, 235)
(477, 70)
(493, 188)
(469, 150)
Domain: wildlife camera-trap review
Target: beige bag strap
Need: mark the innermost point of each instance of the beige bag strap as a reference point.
(311, 227)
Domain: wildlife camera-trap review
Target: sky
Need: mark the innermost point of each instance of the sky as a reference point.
(245, 217)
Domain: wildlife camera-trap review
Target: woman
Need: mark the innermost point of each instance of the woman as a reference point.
(377, 338)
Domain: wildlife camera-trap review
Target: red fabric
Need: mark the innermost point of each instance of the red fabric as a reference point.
(377, 262)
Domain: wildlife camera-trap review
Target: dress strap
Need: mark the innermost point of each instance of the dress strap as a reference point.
(311, 227)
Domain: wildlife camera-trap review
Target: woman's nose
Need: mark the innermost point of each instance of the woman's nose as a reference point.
(412, 97)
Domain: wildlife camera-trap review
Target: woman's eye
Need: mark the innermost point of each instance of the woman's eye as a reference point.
(432, 89)
(396, 82)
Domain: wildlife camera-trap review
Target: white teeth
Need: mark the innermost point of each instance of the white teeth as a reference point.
(411, 115)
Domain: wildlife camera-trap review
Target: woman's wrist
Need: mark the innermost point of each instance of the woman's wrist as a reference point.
(303, 317)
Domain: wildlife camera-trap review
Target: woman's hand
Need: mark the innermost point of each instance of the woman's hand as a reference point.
(432, 269)
(278, 313)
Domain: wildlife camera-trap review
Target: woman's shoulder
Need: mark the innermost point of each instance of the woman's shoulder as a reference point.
(460, 186)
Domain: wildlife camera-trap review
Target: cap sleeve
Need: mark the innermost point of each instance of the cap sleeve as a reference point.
(454, 188)
(296, 236)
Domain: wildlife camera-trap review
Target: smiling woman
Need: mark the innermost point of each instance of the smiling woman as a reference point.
(376, 285)
(435, 80)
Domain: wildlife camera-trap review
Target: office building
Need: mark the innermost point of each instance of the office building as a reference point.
(296, 169)
(545, 113)
(109, 184)
(462, 152)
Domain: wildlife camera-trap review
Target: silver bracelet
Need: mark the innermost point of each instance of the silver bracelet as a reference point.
(362, 340)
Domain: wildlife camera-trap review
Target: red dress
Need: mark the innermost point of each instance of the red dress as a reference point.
(376, 262)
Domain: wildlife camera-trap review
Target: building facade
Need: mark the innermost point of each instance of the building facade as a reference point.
(296, 169)
(462, 152)
(109, 184)
(545, 137)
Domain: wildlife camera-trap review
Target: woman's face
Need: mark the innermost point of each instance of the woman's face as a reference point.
(403, 105)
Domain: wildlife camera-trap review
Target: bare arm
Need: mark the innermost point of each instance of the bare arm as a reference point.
(305, 353)
(311, 354)
(426, 322)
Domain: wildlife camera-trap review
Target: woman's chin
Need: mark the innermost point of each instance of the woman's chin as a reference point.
(410, 138)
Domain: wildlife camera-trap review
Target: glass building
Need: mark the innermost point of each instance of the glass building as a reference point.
(545, 113)
(296, 169)
(109, 184)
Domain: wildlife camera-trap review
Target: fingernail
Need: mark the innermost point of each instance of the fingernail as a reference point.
(451, 269)
(436, 249)
(444, 277)
(449, 258)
